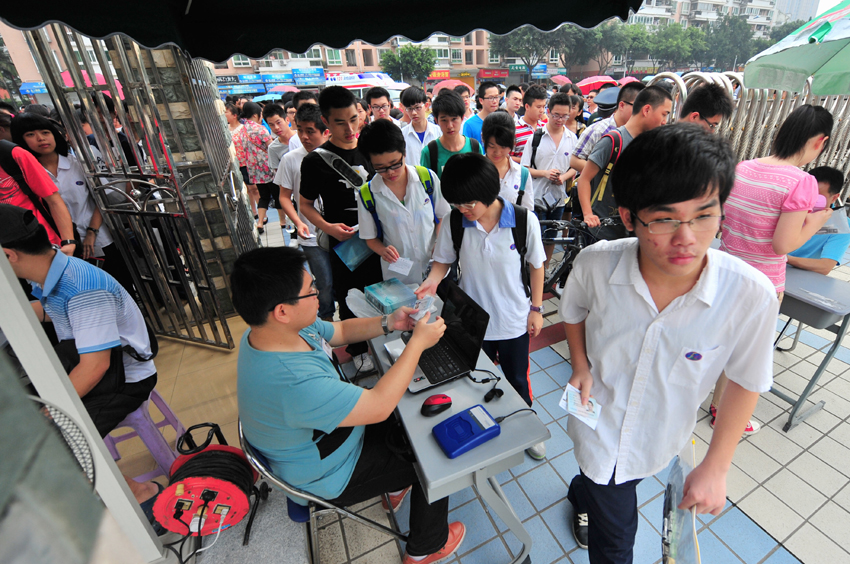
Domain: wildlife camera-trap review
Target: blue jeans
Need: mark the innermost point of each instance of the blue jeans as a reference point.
(320, 267)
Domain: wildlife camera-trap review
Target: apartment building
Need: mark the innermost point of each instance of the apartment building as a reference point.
(761, 15)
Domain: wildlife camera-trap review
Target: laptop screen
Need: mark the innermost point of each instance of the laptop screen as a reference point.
(466, 322)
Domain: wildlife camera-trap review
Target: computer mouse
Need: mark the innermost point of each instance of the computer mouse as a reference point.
(435, 404)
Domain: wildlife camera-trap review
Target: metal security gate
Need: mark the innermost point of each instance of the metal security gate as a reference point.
(168, 195)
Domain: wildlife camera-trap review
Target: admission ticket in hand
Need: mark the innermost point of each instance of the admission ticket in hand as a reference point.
(587, 414)
(402, 266)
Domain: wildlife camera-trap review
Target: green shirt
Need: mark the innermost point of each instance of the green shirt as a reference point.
(444, 155)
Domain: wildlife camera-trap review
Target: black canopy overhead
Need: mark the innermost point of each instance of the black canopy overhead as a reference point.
(217, 29)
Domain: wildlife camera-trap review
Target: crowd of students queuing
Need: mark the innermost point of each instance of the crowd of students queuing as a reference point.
(404, 180)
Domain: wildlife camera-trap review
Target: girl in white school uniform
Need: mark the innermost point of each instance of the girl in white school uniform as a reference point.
(498, 133)
(490, 266)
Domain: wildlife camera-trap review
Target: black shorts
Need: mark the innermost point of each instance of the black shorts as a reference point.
(244, 171)
(269, 193)
(109, 409)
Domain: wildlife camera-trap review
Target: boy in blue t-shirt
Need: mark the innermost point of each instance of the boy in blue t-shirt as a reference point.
(320, 432)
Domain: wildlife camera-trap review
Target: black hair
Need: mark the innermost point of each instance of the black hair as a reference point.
(27, 122)
(107, 100)
(482, 88)
(673, 164)
(607, 85)
(470, 177)
(81, 115)
(251, 109)
(559, 99)
(523, 86)
(831, 176)
(298, 97)
(512, 88)
(629, 91)
(232, 109)
(577, 101)
(501, 127)
(5, 120)
(708, 101)
(287, 97)
(362, 103)
(8, 107)
(289, 106)
(576, 90)
(802, 124)
(335, 98)
(650, 96)
(37, 110)
(566, 89)
(264, 278)
(270, 110)
(534, 93)
(310, 113)
(378, 92)
(382, 136)
(430, 91)
(596, 90)
(395, 113)
(447, 103)
(36, 243)
(413, 95)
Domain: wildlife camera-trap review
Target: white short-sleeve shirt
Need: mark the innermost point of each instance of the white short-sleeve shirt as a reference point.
(408, 226)
(550, 156)
(71, 182)
(288, 176)
(652, 370)
(510, 186)
(491, 272)
(413, 146)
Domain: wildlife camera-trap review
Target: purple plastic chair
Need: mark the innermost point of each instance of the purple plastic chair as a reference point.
(144, 427)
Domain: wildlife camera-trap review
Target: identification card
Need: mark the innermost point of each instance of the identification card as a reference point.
(587, 414)
(326, 346)
(402, 266)
(424, 306)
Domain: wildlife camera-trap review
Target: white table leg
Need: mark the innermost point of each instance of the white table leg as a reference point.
(493, 495)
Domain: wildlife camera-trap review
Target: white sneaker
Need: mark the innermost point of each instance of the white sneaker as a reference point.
(363, 363)
(537, 452)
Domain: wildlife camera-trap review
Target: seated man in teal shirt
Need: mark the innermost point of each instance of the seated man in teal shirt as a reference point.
(318, 431)
(824, 251)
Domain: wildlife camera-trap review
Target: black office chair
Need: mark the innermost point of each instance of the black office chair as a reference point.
(308, 514)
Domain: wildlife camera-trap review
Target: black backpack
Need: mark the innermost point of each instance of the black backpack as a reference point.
(519, 232)
(433, 153)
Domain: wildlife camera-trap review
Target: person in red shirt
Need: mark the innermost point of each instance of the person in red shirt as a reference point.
(43, 187)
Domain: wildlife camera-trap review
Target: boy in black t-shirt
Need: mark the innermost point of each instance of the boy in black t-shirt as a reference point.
(340, 206)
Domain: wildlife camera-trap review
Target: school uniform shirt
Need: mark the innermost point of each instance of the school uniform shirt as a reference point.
(550, 156)
(288, 176)
(652, 370)
(295, 143)
(88, 305)
(71, 181)
(414, 144)
(510, 186)
(491, 269)
(291, 405)
(408, 226)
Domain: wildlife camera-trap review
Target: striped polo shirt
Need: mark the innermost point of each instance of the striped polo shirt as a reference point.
(524, 132)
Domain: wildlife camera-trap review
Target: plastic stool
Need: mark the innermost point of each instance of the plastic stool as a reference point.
(144, 427)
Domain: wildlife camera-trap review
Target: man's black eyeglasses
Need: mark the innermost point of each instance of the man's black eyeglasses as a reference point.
(295, 299)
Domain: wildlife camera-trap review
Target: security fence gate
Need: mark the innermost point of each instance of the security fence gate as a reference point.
(164, 181)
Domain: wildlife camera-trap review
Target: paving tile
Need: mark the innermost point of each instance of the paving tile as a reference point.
(460, 497)
(479, 529)
(795, 492)
(522, 507)
(833, 403)
(738, 484)
(559, 443)
(385, 553)
(532, 366)
(562, 349)
(543, 486)
(834, 522)
(579, 556)
(566, 466)
(781, 556)
(559, 519)
(804, 435)
(712, 550)
(550, 402)
(754, 462)
(767, 411)
(504, 477)
(833, 453)
(653, 512)
(542, 384)
(545, 358)
(647, 489)
(842, 498)
(662, 476)
(527, 464)
(841, 433)
(813, 340)
(743, 536)
(770, 513)
(775, 444)
(823, 421)
(360, 538)
(647, 541)
(791, 380)
(819, 474)
(331, 545)
(488, 553)
(811, 545)
(544, 549)
(560, 373)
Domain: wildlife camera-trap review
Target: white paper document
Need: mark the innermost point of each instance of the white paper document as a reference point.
(587, 414)
(402, 266)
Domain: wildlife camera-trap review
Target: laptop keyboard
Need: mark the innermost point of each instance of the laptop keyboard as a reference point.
(438, 365)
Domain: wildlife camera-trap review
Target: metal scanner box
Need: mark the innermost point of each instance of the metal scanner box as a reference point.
(465, 431)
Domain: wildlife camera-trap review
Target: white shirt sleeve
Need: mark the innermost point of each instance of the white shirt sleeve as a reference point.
(444, 251)
(441, 206)
(281, 176)
(528, 198)
(575, 301)
(751, 363)
(525, 160)
(534, 254)
(368, 229)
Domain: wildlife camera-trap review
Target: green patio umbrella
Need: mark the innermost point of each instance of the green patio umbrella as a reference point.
(820, 48)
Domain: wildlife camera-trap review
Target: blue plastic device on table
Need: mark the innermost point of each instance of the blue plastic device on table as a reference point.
(466, 430)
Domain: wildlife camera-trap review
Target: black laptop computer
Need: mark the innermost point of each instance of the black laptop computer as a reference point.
(456, 354)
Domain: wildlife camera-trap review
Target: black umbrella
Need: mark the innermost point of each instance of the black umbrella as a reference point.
(217, 29)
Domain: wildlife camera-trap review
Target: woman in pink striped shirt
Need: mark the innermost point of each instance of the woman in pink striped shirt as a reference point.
(769, 212)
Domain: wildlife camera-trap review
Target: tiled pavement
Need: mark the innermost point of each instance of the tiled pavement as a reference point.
(789, 493)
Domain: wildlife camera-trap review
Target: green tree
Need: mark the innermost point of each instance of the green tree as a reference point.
(9, 78)
(760, 45)
(780, 32)
(610, 40)
(699, 45)
(670, 47)
(730, 41)
(574, 44)
(410, 61)
(526, 43)
(638, 42)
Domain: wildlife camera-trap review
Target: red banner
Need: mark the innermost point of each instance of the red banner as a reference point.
(438, 75)
(493, 73)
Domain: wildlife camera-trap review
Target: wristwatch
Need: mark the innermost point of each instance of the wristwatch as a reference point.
(93, 230)
(64, 242)
(384, 324)
(537, 309)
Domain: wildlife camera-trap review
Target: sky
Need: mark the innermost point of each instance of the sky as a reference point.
(826, 5)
